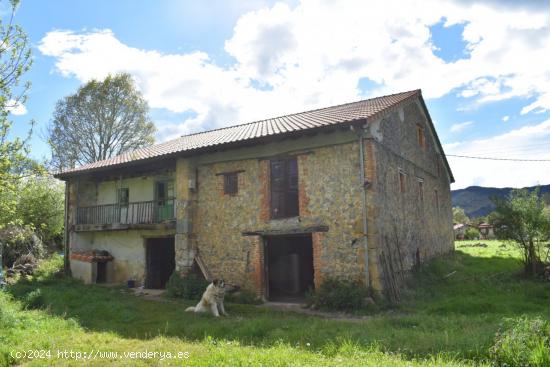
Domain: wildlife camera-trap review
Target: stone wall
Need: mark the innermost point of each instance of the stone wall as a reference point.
(227, 230)
(329, 189)
(415, 224)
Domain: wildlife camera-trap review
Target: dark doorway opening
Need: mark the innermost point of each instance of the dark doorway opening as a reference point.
(289, 267)
(101, 272)
(161, 261)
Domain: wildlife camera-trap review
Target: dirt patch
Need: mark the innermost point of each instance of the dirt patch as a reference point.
(300, 308)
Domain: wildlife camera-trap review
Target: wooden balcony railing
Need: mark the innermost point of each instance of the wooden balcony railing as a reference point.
(142, 212)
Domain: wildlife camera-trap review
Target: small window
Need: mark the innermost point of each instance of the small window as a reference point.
(420, 190)
(402, 181)
(420, 136)
(230, 183)
(436, 194)
(123, 196)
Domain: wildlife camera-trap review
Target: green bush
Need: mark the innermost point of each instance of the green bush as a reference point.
(522, 342)
(339, 295)
(41, 201)
(34, 299)
(471, 233)
(190, 287)
(244, 297)
(18, 241)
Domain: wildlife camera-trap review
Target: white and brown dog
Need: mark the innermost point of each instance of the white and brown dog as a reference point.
(212, 299)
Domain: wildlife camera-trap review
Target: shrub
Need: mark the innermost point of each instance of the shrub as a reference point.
(522, 342)
(18, 241)
(190, 287)
(339, 295)
(34, 299)
(471, 233)
(244, 297)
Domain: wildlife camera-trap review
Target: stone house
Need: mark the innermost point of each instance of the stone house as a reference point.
(486, 231)
(460, 230)
(358, 191)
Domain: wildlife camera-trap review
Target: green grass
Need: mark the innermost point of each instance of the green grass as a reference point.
(448, 317)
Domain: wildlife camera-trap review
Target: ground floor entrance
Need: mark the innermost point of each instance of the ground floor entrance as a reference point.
(288, 267)
(160, 258)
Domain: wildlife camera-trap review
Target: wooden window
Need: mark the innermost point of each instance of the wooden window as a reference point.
(284, 188)
(164, 190)
(231, 183)
(123, 196)
(402, 181)
(420, 190)
(420, 136)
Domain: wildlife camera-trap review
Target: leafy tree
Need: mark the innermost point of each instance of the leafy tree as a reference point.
(459, 216)
(523, 219)
(101, 120)
(41, 206)
(15, 60)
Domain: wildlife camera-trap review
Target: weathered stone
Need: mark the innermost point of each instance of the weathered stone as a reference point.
(228, 230)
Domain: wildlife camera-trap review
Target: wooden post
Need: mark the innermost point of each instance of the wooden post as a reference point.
(66, 260)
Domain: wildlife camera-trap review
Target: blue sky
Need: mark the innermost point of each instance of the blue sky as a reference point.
(482, 66)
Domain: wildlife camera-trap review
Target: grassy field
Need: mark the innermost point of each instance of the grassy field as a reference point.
(448, 318)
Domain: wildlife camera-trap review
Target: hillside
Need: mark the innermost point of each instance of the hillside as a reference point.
(475, 200)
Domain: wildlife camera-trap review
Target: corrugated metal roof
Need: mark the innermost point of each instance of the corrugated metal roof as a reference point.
(323, 117)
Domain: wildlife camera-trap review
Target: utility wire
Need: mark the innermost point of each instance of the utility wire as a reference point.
(499, 159)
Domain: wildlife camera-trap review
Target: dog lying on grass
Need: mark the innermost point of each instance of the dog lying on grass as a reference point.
(212, 299)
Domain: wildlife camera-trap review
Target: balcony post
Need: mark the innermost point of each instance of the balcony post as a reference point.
(185, 252)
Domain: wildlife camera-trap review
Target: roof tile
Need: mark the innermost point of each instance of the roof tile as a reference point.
(365, 109)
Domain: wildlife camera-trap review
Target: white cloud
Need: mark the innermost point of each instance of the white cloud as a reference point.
(313, 54)
(505, 118)
(456, 128)
(16, 108)
(529, 142)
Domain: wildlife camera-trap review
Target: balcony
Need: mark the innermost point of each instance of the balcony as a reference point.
(138, 215)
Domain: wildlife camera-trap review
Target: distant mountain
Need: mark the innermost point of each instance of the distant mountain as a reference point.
(475, 200)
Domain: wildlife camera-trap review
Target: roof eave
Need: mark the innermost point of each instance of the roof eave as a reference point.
(233, 145)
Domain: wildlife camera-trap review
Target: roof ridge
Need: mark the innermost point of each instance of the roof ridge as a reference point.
(304, 120)
(292, 114)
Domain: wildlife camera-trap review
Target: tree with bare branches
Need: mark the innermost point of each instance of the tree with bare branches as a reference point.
(101, 120)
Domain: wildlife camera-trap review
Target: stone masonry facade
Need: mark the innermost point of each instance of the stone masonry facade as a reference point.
(408, 205)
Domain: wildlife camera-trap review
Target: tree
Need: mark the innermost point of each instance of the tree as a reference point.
(40, 205)
(523, 219)
(459, 216)
(101, 120)
(15, 60)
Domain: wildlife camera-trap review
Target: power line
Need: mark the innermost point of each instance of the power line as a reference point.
(498, 150)
(499, 159)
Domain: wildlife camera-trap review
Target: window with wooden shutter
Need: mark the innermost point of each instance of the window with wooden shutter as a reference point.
(420, 136)
(284, 188)
(402, 181)
(231, 183)
(123, 196)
